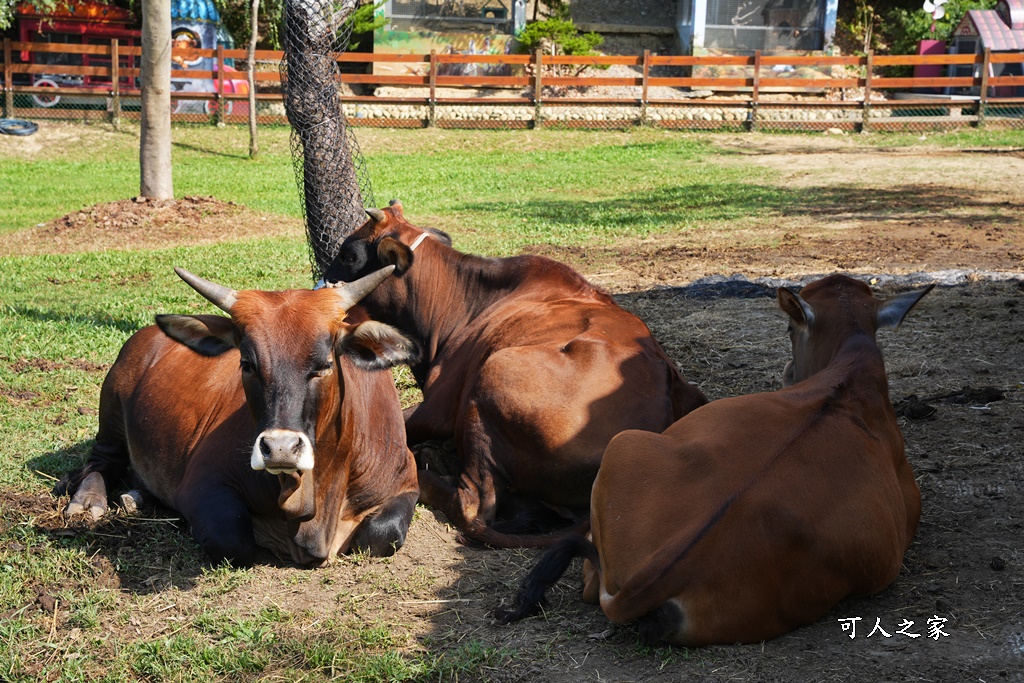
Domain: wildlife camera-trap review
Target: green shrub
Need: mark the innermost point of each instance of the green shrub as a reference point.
(907, 27)
(558, 36)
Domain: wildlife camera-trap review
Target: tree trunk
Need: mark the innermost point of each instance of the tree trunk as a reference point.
(155, 143)
(254, 146)
(330, 182)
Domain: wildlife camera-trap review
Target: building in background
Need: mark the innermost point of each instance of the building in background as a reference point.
(743, 26)
(999, 30)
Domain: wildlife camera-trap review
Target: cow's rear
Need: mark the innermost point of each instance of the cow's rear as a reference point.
(754, 515)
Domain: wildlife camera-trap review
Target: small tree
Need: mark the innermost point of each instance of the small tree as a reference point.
(558, 35)
(254, 145)
(364, 22)
(155, 139)
(858, 33)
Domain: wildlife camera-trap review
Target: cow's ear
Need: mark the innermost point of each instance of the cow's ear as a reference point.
(375, 346)
(799, 311)
(892, 312)
(210, 335)
(391, 252)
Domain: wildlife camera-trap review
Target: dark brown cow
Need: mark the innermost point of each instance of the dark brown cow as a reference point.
(314, 465)
(755, 515)
(529, 368)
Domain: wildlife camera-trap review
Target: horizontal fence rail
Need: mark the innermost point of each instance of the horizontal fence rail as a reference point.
(710, 92)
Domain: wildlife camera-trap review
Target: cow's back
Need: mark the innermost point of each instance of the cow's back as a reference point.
(167, 400)
(566, 373)
(754, 514)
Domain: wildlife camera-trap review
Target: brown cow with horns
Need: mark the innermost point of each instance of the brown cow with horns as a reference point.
(314, 465)
(755, 515)
(528, 367)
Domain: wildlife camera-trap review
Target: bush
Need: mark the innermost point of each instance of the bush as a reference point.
(907, 27)
(558, 36)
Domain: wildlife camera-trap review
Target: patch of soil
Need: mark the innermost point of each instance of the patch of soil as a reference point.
(142, 223)
(45, 365)
(945, 210)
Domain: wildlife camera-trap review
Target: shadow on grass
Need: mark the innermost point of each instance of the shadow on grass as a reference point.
(145, 552)
(95, 319)
(210, 151)
(733, 201)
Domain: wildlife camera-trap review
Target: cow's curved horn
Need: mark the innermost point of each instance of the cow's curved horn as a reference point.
(351, 292)
(377, 215)
(218, 295)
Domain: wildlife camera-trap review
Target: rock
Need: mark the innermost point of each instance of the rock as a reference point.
(47, 603)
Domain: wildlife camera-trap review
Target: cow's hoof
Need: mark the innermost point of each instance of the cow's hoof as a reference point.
(131, 501)
(74, 509)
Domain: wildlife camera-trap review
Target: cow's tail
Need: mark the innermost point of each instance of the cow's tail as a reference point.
(488, 535)
(545, 574)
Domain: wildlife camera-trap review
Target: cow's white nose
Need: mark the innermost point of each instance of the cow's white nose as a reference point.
(282, 450)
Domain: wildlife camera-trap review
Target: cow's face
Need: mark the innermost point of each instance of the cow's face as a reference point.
(386, 239)
(828, 312)
(289, 344)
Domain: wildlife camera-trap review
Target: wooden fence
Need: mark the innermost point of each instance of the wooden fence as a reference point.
(847, 93)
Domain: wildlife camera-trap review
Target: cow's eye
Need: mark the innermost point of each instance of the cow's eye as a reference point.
(323, 371)
(246, 365)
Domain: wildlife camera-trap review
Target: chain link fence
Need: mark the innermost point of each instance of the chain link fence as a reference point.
(330, 170)
(728, 116)
(840, 95)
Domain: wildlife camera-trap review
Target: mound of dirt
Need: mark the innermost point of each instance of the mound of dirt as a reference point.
(142, 223)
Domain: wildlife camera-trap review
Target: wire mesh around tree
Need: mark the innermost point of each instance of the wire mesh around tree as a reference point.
(330, 171)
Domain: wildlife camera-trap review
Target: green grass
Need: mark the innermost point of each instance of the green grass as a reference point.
(495, 190)
(64, 317)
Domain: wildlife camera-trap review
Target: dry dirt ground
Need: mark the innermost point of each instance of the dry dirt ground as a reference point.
(956, 377)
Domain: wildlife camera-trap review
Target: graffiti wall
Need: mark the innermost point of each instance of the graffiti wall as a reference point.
(422, 42)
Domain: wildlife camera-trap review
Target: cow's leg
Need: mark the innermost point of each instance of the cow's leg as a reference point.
(470, 503)
(591, 583)
(431, 420)
(90, 496)
(661, 625)
(107, 461)
(384, 533)
(221, 523)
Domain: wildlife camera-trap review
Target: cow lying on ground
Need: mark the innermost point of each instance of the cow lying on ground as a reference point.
(755, 515)
(274, 427)
(529, 368)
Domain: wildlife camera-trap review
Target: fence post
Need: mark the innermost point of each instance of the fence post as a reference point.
(754, 91)
(983, 92)
(432, 102)
(115, 80)
(220, 85)
(644, 86)
(866, 105)
(538, 120)
(8, 80)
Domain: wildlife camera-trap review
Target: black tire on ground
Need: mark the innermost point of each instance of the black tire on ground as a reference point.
(17, 127)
